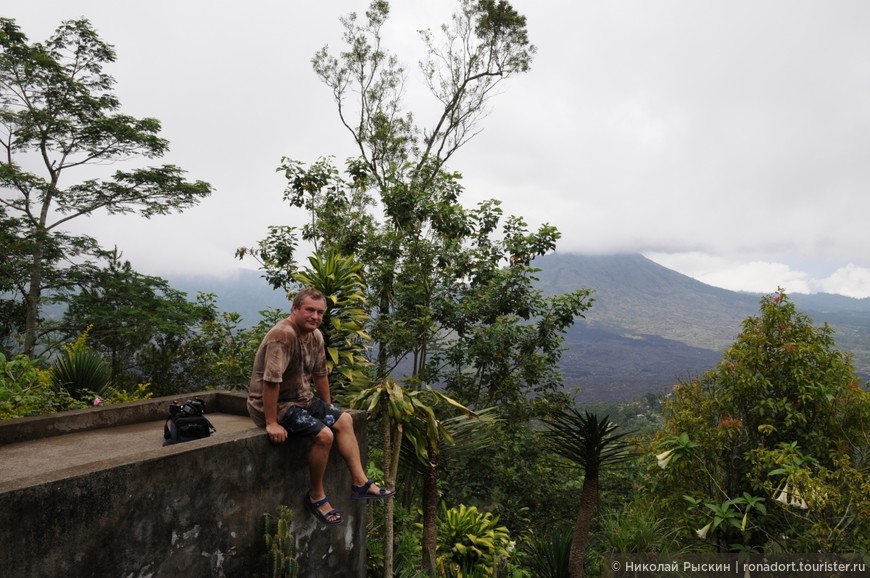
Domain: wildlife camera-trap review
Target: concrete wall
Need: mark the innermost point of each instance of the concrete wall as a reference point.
(191, 509)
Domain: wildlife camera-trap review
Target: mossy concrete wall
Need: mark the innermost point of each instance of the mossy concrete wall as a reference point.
(95, 493)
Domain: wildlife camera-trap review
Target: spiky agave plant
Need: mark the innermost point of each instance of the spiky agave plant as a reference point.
(548, 556)
(80, 370)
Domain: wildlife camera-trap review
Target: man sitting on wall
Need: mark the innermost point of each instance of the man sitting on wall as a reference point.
(290, 359)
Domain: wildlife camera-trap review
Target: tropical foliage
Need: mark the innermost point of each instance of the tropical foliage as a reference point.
(471, 542)
(770, 446)
(436, 327)
(81, 371)
(347, 343)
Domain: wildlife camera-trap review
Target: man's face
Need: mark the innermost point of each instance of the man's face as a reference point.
(309, 315)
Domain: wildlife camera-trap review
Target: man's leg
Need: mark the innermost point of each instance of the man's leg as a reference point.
(318, 457)
(299, 422)
(348, 448)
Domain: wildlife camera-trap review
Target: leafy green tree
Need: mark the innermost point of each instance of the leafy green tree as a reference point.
(126, 312)
(770, 446)
(500, 337)
(58, 111)
(589, 442)
(398, 213)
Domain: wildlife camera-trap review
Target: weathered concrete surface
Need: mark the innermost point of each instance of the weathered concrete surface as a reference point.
(95, 493)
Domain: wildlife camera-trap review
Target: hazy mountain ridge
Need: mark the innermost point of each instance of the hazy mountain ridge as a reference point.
(246, 293)
(679, 325)
(636, 294)
(648, 328)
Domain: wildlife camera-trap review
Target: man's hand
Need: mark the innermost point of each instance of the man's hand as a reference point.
(276, 432)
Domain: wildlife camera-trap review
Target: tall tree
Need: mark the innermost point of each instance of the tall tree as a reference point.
(58, 112)
(416, 253)
(485, 44)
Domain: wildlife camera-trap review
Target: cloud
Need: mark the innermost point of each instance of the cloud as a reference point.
(764, 276)
(850, 280)
(728, 139)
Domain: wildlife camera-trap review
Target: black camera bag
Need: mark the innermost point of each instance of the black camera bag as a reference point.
(186, 422)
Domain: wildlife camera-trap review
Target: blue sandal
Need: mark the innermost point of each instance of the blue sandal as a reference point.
(362, 492)
(330, 518)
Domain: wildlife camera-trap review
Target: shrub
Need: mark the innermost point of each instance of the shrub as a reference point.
(26, 389)
(470, 541)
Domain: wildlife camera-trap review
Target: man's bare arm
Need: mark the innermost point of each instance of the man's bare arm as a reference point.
(321, 382)
(275, 431)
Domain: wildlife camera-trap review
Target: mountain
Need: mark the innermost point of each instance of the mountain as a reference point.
(245, 293)
(634, 293)
(648, 328)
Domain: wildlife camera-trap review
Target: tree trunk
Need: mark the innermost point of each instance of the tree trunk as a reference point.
(430, 514)
(588, 503)
(389, 507)
(32, 300)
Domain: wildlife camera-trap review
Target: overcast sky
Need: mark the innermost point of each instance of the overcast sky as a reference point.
(728, 140)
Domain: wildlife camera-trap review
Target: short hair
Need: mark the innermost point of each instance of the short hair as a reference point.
(307, 293)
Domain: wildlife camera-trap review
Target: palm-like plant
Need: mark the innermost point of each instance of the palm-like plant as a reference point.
(409, 415)
(339, 279)
(590, 442)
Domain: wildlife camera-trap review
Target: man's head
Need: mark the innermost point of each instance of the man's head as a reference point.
(308, 293)
(309, 306)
